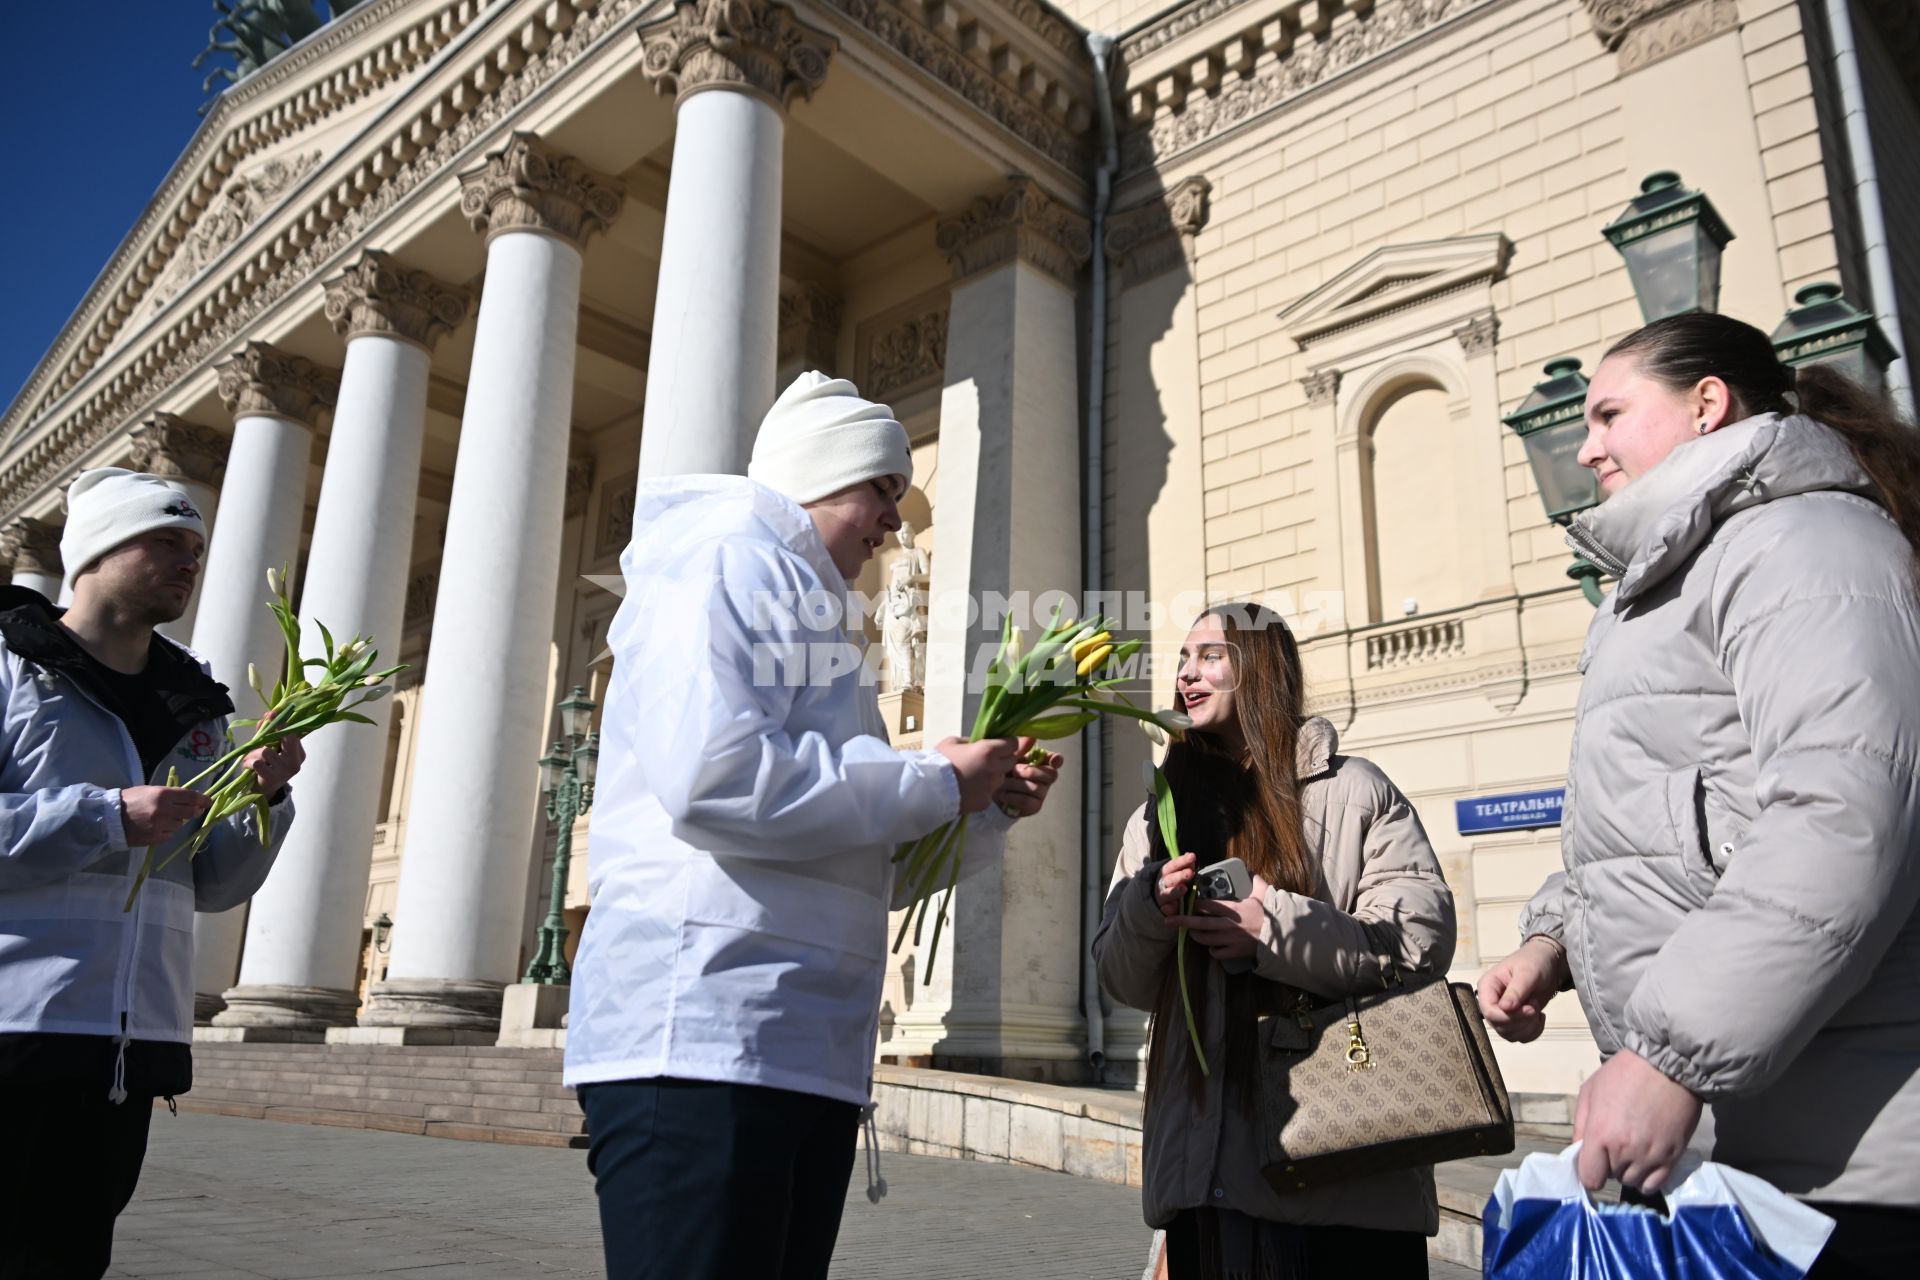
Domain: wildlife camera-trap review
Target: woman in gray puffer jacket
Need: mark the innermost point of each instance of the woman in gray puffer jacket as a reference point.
(1743, 803)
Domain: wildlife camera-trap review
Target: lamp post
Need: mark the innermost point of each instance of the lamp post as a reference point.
(1824, 328)
(1551, 423)
(566, 777)
(1671, 238)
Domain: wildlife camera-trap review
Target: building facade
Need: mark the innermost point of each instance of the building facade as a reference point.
(1235, 316)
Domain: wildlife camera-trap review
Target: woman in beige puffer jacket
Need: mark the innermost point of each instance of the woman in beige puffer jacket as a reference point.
(1346, 891)
(1742, 843)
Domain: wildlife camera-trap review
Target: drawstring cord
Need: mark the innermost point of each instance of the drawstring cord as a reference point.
(876, 1185)
(119, 1091)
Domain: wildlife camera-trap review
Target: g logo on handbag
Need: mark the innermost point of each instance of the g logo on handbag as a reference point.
(1359, 1057)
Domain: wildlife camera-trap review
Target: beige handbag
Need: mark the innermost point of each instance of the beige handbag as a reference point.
(1389, 1080)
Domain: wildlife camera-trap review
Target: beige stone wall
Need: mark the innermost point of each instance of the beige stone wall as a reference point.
(1514, 121)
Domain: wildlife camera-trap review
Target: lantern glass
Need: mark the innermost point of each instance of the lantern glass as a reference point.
(1824, 328)
(576, 713)
(587, 758)
(382, 930)
(1672, 239)
(553, 766)
(1566, 487)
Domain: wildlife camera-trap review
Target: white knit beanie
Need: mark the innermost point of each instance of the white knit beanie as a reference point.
(109, 505)
(820, 437)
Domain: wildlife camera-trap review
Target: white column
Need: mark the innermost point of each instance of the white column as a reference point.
(274, 397)
(710, 370)
(1009, 520)
(463, 875)
(303, 928)
(33, 548)
(193, 457)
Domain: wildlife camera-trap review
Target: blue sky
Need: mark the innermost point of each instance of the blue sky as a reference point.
(99, 100)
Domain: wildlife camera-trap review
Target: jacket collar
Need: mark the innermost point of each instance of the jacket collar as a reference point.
(1314, 750)
(741, 500)
(1646, 531)
(30, 627)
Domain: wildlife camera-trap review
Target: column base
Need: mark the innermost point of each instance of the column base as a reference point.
(257, 1035)
(457, 1004)
(1019, 1042)
(205, 1006)
(408, 1035)
(277, 1006)
(533, 1016)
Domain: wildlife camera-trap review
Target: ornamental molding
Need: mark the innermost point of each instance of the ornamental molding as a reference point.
(1643, 32)
(1189, 17)
(1157, 236)
(377, 295)
(1020, 222)
(1322, 385)
(1050, 109)
(751, 45)
(263, 381)
(444, 128)
(529, 186)
(1393, 278)
(1253, 72)
(32, 546)
(168, 445)
(1478, 335)
(809, 327)
(903, 351)
(228, 139)
(243, 202)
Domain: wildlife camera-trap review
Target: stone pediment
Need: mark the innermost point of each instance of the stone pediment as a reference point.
(1393, 278)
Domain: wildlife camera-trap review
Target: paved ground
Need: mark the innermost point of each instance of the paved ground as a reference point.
(224, 1198)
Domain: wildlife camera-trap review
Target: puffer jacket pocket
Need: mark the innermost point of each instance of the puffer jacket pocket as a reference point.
(1687, 815)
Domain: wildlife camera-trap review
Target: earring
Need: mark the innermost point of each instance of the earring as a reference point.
(1702, 428)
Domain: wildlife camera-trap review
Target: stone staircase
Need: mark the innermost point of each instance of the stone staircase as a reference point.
(514, 1095)
(473, 1093)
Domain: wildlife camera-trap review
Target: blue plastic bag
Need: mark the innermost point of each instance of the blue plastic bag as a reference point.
(1721, 1224)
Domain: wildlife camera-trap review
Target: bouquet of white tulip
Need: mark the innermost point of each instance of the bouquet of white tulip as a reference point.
(295, 707)
(1054, 690)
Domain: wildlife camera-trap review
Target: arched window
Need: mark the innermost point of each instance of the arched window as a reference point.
(1411, 505)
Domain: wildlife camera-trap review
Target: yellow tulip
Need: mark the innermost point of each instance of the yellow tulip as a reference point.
(1093, 660)
(1084, 647)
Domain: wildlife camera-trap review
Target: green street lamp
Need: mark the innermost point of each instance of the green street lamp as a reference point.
(1824, 328)
(566, 779)
(1551, 422)
(1671, 238)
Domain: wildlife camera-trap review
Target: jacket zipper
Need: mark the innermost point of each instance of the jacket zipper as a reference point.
(1584, 543)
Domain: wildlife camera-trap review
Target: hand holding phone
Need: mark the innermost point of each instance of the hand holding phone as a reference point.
(1228, 881)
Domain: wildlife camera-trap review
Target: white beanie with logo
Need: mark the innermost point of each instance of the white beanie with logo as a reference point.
(109, 505)
(820, 437)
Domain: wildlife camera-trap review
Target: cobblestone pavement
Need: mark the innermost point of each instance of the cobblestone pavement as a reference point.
(223, 1198)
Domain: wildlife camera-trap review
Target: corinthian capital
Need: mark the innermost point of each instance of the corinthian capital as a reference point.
(32, 546)
(528, 186)
(1157, 236)
(754, 46)
(263, 381)
(168, 445)
(378, 295)
(1019, 222)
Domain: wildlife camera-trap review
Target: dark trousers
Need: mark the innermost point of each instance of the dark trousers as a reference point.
(1869, 1242)
(1206, 1245)
(68, 1166)
(701, 1181)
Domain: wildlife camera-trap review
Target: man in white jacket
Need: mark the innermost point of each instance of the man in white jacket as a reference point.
(726, 995)
(96, 999)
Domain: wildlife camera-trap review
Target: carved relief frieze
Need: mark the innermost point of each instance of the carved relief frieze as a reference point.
(1264, 83)
(903, 351)
(753, 45)
(1157, 236)
(168, 445)
(579, 484)
(1645, 31)
(529, 186)
(1018, 222)
(243, 202)
(379, 295)
(809, 327)
(616, 515)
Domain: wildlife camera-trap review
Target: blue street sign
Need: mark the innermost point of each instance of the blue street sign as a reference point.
(1512, 812)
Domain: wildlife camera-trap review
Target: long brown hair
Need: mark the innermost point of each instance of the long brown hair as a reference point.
(1680, 352)
(1239, 802)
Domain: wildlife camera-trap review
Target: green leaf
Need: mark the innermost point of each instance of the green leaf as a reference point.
(326, 638)
(354, 716)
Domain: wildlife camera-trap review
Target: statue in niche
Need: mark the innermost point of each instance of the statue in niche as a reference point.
(903, 623)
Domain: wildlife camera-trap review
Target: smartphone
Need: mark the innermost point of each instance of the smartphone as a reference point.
(1227, 879)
